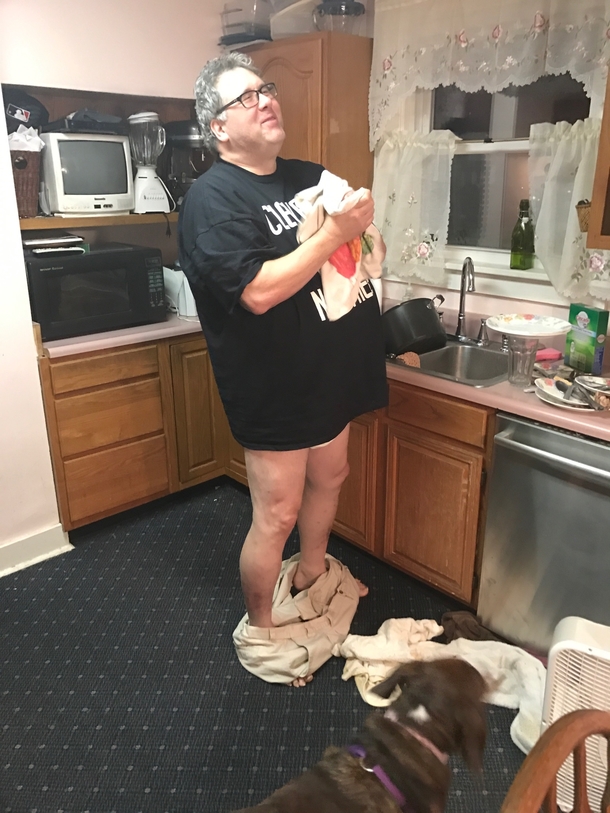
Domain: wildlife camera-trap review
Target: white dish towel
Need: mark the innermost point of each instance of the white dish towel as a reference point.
(352, 265)
(516, 678)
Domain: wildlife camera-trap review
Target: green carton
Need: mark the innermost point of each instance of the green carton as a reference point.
(585, 341)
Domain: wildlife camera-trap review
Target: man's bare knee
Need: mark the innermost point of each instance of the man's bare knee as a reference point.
(327, 480)
(276, 519)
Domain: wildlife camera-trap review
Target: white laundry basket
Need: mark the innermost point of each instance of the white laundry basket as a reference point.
(578, 677)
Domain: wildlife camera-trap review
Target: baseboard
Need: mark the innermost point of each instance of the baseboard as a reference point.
(33, 549)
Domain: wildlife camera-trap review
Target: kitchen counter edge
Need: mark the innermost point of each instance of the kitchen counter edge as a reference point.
(502, 397)
(174, 325)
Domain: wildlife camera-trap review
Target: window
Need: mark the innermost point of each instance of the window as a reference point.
(489, 170)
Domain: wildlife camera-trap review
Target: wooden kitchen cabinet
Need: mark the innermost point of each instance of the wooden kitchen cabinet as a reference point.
(357, 514)
(200, 439)
(438, 449)
(323, 85)
(107, 431)
(236, 461)
(130, 424)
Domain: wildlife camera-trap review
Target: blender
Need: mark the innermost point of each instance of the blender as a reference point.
(184, 158)
(147, 139)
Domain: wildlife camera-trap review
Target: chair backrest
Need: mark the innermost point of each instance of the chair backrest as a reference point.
(535, 784)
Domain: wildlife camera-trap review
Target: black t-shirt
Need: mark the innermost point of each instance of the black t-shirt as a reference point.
(288, 378)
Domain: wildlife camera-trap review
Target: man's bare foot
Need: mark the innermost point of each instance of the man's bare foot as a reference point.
(303, 581)
(299, 682)
(363, 590)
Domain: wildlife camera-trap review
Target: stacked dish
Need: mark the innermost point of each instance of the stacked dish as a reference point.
(528, 324)
(556, 393)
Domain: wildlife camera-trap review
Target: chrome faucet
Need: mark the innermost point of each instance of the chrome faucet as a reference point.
(466, 286)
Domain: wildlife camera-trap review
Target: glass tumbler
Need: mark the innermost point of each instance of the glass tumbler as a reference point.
(521, 357)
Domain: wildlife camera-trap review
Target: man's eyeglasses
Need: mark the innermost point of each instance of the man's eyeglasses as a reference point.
(250, 98)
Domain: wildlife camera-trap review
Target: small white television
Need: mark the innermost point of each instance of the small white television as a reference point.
(86, 174)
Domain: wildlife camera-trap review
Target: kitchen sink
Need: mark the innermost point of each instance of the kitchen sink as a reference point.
(465, 363)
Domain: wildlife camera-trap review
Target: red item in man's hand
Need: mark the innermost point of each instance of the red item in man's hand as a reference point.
(343, 261)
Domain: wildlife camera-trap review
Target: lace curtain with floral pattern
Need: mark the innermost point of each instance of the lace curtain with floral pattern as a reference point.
(411, 192)
(482, 44)
(561, 167)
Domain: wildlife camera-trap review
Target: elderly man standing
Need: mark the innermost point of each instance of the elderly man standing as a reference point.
(290, 379)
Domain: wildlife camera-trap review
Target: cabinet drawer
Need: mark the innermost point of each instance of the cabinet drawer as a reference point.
(436, 413)
(105, 368)
(107, 481)
(110, 415)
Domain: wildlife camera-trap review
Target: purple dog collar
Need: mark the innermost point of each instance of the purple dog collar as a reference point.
(359, 752)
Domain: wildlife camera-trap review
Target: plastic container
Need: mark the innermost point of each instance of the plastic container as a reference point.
(338, 15)
(246, 18)
(297, 18)
(280, 5)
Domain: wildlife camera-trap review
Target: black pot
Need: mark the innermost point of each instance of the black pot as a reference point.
(413, 326)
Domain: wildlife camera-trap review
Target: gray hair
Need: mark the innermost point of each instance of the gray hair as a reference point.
(207, 98)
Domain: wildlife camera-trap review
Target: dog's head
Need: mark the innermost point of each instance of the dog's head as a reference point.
(442, 699)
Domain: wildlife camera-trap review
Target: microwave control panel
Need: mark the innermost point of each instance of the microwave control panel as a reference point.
(156, 290)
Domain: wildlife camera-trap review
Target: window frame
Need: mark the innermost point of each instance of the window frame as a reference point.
(494, 277)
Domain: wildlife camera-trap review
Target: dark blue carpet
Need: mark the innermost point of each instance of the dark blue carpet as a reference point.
(121, 692)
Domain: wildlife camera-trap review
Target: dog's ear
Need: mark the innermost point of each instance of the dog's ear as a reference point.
(472, 733)
(397, 678)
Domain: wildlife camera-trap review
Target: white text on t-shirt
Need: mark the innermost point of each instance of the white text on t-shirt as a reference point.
(366, 292)
(282, 216)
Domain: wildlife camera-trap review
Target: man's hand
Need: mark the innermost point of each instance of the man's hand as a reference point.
(279, 279)
(344, 227)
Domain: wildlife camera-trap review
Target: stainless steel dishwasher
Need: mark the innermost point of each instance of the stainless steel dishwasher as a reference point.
(546, 548)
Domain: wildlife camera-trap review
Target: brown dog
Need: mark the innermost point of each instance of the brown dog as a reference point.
(399, 761)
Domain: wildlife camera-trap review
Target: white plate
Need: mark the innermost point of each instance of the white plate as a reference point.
(594, 383)
(528, 324)
(549, 387)
(548, 399)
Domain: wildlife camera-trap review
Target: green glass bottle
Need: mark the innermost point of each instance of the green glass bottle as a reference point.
(522, 239)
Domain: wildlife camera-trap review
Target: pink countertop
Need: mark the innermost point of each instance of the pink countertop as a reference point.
(507, 398)
(173, 326)
(502, 396)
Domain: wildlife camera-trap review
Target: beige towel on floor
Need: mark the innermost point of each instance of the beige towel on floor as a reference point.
(516, 677)
(310, 626)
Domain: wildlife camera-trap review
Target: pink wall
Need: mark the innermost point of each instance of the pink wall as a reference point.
(27, 493)
(145, 47)
(151, 47)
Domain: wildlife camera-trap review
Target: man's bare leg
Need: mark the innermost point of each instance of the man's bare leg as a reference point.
(276, 481)
(327, 468)
(283, 486)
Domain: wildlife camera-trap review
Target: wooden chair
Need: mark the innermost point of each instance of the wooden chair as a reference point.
(535, 785)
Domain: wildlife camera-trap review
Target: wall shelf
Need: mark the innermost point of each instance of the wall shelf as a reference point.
(94, 221)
